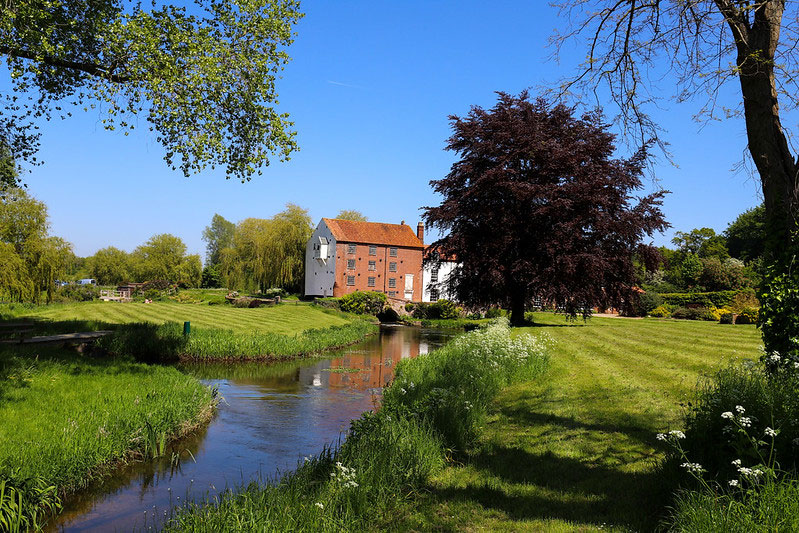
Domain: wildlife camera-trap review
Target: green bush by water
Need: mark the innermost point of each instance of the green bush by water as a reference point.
(387, 456)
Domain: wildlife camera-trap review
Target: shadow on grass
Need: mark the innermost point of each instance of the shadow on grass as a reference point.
(600, 478)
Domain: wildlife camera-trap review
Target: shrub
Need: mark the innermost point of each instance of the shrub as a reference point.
(726, 317)
(747, 316)
(409, 307)
(744, 300)
(699, 313)
(420, 310)
(647, 302)
(363, 302)
(443, 309)
(660, 311)
(705, 299)
(493, 312)
(732, 394)
(77, 293)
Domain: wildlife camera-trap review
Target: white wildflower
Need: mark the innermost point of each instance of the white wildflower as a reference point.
(795, 442)
(320, 505)
(796, 365)
(736, 462)
(692, 467)
(740, 409)
(770, 432)
(745, 471)
(727, 414)
(774, 358)
(733, 482)
(756, 472)
(677, 434)
(661, 436)
(745, 422)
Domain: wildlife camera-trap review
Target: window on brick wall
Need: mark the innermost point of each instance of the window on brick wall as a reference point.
(351, 264)
(350, 248)
(392, 252)
(392, 283)
(392, 293)
(392, 267)
(372, 250)
(372, 265)
(371, 282)
(350, 280)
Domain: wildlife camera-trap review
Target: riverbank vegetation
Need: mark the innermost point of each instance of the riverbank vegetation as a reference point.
(432, 410)
(67, 418)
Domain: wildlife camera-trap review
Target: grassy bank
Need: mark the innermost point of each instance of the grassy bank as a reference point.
(166, 342)
(284, 319)
(66, 419)
(155, 331)
(578, 451)
(432, 410)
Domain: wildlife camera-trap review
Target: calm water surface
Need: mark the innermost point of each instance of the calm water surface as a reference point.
(269, 418)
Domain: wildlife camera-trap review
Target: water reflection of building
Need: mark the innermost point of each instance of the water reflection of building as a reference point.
(369, 371)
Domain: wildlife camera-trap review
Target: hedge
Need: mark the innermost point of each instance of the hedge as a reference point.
(704, 299)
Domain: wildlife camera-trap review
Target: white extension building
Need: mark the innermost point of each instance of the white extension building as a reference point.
(434, 278)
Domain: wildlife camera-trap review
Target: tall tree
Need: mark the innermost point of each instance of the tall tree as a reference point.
(352, 214)
(268, 253)
(746, 234)
(217, 237)
(163, 257)
(705, 43)
(536, 207)
(42, 258)
(203, 76)
(110, 266)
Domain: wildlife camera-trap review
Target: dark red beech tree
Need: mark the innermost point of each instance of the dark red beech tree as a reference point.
(536, 207)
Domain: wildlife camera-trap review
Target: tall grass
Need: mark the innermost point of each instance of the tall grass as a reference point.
(66, 419)
(389, 455)
(774, 507)
(166, 342)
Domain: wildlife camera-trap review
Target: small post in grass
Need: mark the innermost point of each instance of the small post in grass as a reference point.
(186, 328)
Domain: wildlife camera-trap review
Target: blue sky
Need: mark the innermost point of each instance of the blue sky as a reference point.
(369, 88)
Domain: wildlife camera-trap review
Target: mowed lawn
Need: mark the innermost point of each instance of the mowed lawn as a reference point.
(287, 318)
(576, 451)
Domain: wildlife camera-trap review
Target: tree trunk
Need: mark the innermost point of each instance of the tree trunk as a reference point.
(756, 44)
(517, 301)
(768, 145)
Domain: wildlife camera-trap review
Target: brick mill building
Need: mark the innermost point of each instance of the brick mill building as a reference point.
(344, 256)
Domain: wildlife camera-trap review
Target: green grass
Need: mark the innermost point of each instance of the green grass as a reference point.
(166, 342)
(577, 452)
(67, 418)
(284, 319)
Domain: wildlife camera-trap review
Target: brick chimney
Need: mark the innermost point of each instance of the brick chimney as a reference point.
(420, 231)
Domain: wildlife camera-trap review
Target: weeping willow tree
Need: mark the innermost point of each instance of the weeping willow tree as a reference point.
(266, 253)
(30, 259)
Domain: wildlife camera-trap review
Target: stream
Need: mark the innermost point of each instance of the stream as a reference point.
(269, 418)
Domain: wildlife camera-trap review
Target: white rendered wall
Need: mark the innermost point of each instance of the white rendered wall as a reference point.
(444, 270)
(320, 277)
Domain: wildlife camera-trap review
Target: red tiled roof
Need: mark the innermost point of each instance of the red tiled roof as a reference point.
(373, 233)
(444, 257)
